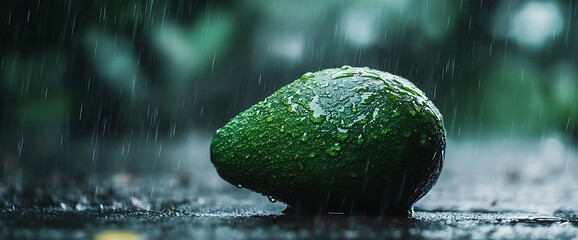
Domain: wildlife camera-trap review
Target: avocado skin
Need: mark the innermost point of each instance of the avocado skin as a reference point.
(351, 140)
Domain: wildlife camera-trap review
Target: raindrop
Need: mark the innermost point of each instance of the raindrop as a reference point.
(345, 67)
(354, 108)
(370, 74)
(304, 137)
(271, 199)
(307, 75)
(80, 207)
(318, 114)
(334, 150)
(342, 74)
(342, 134)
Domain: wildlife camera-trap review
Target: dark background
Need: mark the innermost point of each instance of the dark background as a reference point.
(82, 79)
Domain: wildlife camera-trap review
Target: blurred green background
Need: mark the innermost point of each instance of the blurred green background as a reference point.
(113, 85)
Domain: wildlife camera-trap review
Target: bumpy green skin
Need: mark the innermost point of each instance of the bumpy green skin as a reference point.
(351, 140)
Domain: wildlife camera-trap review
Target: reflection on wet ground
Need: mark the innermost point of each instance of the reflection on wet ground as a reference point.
(497, 190)
(247, 224)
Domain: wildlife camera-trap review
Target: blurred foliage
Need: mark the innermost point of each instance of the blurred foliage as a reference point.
(114, 69)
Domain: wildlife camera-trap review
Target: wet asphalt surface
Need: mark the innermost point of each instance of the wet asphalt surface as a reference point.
(488, 190)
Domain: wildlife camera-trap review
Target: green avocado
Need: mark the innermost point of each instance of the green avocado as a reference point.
(346, 140)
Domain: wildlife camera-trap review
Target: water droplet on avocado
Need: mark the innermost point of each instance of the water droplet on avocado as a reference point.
(384, 131)
(416, 107)
(307, 75)
(333, 150)
(342, 136)
(354, 108)
(369, 74)
(375, 114)
(304, 138)
(366, 97)
(361, 120)
(342, 75)
(317, 119)
(409, 89)
(318, 114)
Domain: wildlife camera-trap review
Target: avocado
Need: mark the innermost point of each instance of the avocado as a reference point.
(346, 140)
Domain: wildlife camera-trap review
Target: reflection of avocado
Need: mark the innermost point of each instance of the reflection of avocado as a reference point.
(352, 140)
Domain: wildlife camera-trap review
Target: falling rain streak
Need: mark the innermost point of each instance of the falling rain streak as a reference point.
(110, 106)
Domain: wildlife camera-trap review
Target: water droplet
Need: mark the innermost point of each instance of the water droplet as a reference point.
(361, 119)
(342, 136)
(291, 106)
(239, 186)
(416, 107)
(366, 97)
(375, 114)
(390, 88)
(271, 199)
(334, 150)
(318, 114)
(384, 131)
(317, 119)
(410, 90)
(369, 74)
(304, 137)
(344, 73)
(307, 75)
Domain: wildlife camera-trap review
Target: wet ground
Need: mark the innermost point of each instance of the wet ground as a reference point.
(498, 189)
